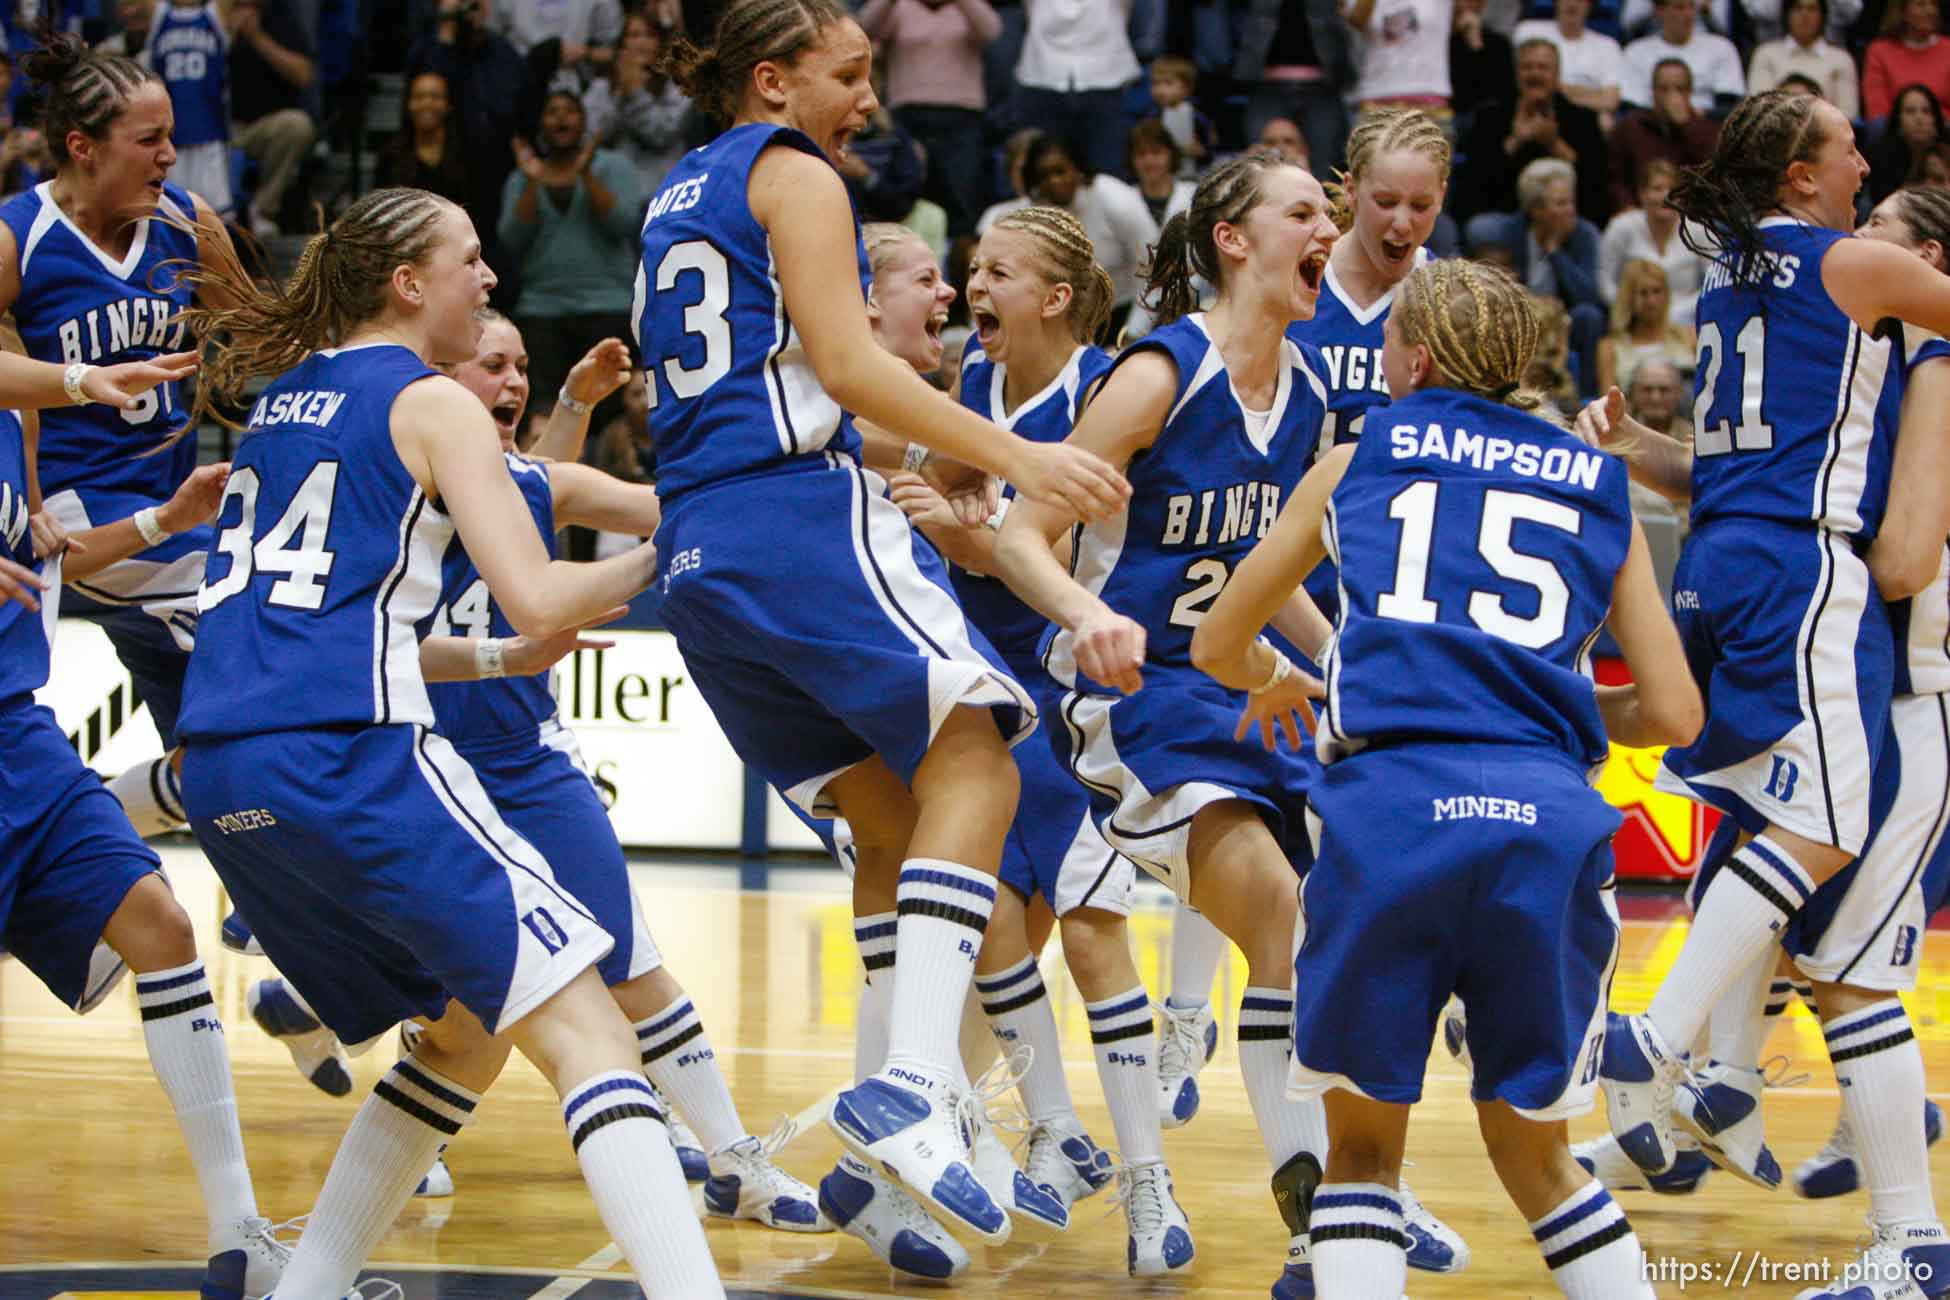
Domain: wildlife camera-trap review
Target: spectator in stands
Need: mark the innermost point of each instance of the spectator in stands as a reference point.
(636, 110)
(1174, 78)
(1717, 80)
(1015, 153)
(1076, 61)
(1588, 61)
(1650, 233)
(568, 43)
(1154, 160)
(1671, 129)
(493, 102)
(1934, 167)
(1764, 18)
(1113, 215)
(623, 449)
(884, 169)
(1806, 51)
(569, 216)
(1540, 121)
(270, 70)
(427, 152)
(1480, 62)
(933, 57)
(133, 40)
(1642, 326)
(1403, 56)
(1554, 252)
(1549, 370)
(1655, 396)
(1915, 125)
(1283, 136)
(1295, 60)
(1910, 51)
(25, 160)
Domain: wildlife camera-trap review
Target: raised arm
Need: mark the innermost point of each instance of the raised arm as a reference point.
(1662, 706)
(1909, 549)
(449, 445)
(587, 497)
(1654, 459)
(602, 370)
(196, 501)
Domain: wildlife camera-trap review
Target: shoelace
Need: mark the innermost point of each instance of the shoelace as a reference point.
(1774, 1073)
(1180, 1044)
(1141, 1193)
(268, 1233)
(972, 1106)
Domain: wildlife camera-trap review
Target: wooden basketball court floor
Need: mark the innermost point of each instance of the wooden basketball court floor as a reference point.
(97, 1197)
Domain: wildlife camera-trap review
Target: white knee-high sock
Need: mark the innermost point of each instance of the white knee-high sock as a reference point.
(1127, 1062)
(976, 1041)
(623, 1146)
(1739, 1023)
(149, 795)
(1265, 1044)
(192, 1063)
(1356, 1242)
(679, 1059)
(944, 909)
(1590, 1249)
(1019, 1013)
(874, 935)
(1197, 948)
(1740, 919)
(1880, 1067)
(412, 1111)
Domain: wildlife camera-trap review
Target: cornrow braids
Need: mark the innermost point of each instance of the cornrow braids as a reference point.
(1185, 247)
(749, 32)
(1385, 130)
(83, 91)
(1723, 199)
(1069, 257)
(340, 284)
(883, 239)
(1478, 325)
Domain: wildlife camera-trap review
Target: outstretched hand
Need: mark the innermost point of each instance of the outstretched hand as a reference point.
(1285, 707)
(525, 656)
(1599, 417)
(122, 386)
(602, 370)
(1076, 480)
(197, 500)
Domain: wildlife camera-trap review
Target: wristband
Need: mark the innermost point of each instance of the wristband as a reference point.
(994, 522)
(1282, 669)
(146, 523)
(570, 404)
(71, 380)
(489, 658)
(914, 457)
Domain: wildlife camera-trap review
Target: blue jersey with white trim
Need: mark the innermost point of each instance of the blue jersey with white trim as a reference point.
(710, 318)
(327, 558)
(1478, 546)
(25, 634)
(471, 712)
(190, 50)
(77, 304)
(1789, 422)
(1349, 339)
(1922, 622)
(1012, 627)
(1202, 495)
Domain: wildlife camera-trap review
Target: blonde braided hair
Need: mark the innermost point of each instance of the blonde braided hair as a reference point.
(1384, 130)
(1068, 257)
(1479, 327)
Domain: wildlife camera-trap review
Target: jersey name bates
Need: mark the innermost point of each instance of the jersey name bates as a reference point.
(1217, 516)
(115, 327)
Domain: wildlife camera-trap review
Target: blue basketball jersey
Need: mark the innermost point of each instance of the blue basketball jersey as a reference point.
(709, 316)
(1788, 418)
(190, 50)
(1922, 623)
(469, 712)
(1201, 496)
(24, 633)
(317, 580)
(1477, 547)
(1012, 627)
(1349, 339)
(78, 304)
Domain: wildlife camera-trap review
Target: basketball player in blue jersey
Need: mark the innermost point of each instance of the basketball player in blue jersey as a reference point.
(73, 873)
(1788, 482)
(1856, 936)
(1216, 414)
(866, 692)
(1461, 848)
(82, 269)
(336, 817)
(189, 48)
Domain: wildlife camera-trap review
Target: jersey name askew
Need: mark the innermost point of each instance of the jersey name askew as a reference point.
(1479, 807)
(1217, 516)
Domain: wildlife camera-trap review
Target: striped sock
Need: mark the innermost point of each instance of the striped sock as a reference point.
(1127, 1063)
(874, 935)
(1265, 1044)
(680, 1061)
(1880, 1067)
(1739, 920)
(412, 1111)
(623, 1145)
(943, 908)
(149, 795)
(1780, 991)
(1197, 948)
(192, 1063)
(1590, 1249)
(1019, 1013)
(1356, 1242)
